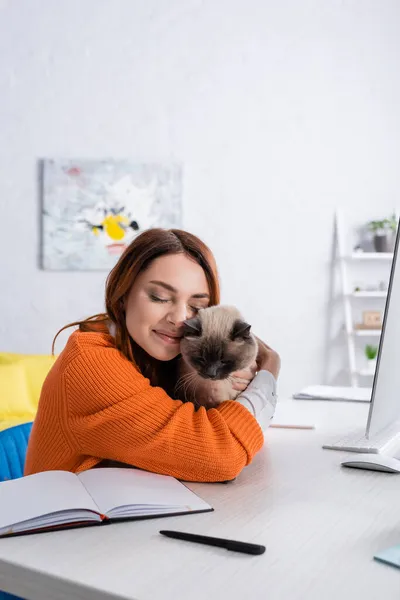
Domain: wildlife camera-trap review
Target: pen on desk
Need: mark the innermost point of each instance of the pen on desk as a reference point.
(213, 541)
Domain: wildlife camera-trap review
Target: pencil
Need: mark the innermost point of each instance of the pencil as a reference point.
(278, 426)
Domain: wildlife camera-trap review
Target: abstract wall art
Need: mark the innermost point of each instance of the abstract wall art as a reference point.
(92, 209)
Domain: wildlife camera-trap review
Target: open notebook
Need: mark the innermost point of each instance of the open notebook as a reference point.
(58, 499)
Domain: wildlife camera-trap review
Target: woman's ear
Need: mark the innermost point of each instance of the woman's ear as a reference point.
(192, 327)
(240, 330)
(124, 300)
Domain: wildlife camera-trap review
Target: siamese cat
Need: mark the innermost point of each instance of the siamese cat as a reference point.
(215, 343)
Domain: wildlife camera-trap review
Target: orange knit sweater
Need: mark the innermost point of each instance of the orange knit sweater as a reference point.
(95, 405)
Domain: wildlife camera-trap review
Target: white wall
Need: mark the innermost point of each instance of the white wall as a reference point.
(280, 111)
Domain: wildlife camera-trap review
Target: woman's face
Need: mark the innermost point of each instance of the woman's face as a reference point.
(173, 288)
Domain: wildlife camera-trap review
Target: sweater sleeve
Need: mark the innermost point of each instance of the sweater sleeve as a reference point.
(114, 413)
(260, 398)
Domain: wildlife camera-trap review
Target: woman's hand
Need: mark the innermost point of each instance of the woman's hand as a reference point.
(268, 359)
(241, 379)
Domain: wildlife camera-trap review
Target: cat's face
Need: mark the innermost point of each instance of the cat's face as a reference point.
(217, 342)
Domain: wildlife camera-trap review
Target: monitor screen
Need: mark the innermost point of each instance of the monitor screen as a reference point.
(385, 398)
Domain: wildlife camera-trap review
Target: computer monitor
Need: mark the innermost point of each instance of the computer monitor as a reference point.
(382, 431)
(385, 399)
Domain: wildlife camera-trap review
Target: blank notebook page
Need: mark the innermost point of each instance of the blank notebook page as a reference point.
(122, 487)
(36, 495)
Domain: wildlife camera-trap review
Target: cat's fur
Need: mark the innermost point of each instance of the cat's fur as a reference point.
(215, 343)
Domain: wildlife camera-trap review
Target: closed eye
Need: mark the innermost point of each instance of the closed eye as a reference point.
(157, 299)
(227, 363)
(198, 361)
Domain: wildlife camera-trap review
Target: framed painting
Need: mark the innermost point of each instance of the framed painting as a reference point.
(92, 209)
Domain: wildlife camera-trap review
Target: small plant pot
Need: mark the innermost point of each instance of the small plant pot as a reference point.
(371, 365)
(384, 242)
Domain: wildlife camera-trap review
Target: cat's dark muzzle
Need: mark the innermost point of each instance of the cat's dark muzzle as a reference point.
(214, 376)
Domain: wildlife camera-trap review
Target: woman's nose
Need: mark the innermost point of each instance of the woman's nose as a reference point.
(178, 315)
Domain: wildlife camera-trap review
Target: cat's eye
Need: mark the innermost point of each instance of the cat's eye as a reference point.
(199, 362)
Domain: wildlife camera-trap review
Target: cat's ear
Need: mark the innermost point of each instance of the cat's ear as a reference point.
(192, 328)
(240, 330)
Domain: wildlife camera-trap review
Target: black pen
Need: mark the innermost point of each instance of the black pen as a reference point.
(213, 541)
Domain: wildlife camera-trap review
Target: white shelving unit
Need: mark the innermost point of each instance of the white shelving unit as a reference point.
(350, 297)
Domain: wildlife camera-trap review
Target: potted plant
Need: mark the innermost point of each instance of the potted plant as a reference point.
(370, 353)
(384, 233)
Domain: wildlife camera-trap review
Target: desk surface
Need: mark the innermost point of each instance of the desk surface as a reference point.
(321, 525)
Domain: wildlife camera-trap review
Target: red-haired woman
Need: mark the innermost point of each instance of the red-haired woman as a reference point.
(108, 398)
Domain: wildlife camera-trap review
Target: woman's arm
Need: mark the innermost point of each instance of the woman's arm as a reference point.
(114, 413)
(260, 398)
(259, 392)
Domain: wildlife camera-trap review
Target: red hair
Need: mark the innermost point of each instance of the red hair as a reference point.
(137, 257)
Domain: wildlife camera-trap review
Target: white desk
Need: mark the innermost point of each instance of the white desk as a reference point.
(321, 525)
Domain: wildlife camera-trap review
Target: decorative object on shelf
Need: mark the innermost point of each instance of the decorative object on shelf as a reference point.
(384, 233)
(371, 353)
(372, 319)
(362, 287)
(92, 209)
(383, 287)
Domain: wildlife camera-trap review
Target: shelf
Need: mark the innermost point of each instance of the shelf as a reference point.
(365, 373)
(376, 294)
(371, 256)
(366, 332)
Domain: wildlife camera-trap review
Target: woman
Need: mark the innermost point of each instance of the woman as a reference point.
(108, 395)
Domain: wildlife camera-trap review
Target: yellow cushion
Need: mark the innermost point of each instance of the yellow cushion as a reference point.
(15, 399)
(14, 421)
(21, 380)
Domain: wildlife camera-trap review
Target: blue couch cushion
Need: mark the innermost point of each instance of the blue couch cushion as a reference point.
(13, 446)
